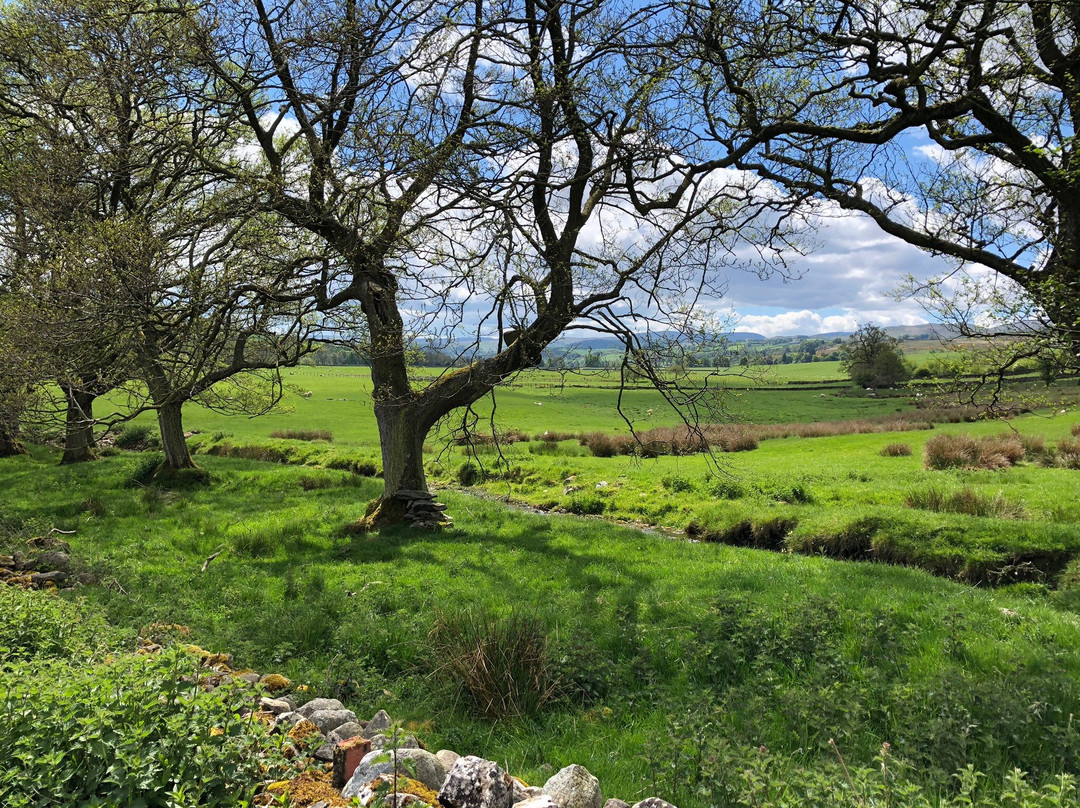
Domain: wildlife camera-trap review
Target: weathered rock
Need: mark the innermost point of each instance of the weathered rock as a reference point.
(42, 578)
(315, 705)
(616, 803)
(653, 802)
(346, 731)
(273, 706)
(250, 677)
(380, 741)
(50, 561)
(406, 794)
(519, 787)
(417, 763)
(477, 783)
(329, 720)
(287, 720)
(543, 801)
(325, 752)
(379, 722)
(447, 757)
(574, 787)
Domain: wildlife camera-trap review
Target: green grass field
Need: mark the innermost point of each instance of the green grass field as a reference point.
(704, 672)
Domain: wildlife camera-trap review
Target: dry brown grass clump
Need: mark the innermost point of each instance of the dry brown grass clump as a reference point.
(1068, 453)
(964, 451)
(303, 434)
(896, 450)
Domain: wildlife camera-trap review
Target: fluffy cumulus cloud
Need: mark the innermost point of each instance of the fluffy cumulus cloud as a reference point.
(851, 276)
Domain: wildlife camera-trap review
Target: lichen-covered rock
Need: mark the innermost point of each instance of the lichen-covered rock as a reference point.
(574, 787)
(315, 705)
(329, 720)
(403, 793)
(615, 803)
(653, 802)
(379, 723)
(477, 783)
(418, 763)
(347, 730)
(287, 720)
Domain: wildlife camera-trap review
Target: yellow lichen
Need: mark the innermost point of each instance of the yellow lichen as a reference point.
(302, 732)
(275, 682)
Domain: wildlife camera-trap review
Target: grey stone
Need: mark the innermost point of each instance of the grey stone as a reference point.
(519, 787)
(447, 757)
(615, 803)
(42, 578)
(477, 783)
(315, 705)
(532, 791)
(417, 763)
(653, 802)
(287, 720)
(380, 741)
(250, 677)
(51, 561)
(379, 722)
(574, 787)
(275, 706)
(326, 751)
(346, 731)
(329, 720)
(543, 801)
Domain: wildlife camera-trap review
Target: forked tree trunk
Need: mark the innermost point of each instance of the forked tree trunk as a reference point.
(10, 445)
(79, 444)
(171, 425)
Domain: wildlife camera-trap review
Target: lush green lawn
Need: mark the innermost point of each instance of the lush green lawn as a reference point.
(659, 644)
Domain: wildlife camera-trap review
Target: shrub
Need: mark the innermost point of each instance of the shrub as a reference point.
(967, 501)
(137, 437)
(673, 482)
(303, 434)
(896, 450)
(599, 443)
(586, 505)
(147, 734)
(725, 488)
(501, 663)
(145, 469)
(469, 474)
(40, 624)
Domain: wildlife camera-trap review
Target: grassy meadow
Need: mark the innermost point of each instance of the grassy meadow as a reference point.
(699, 665)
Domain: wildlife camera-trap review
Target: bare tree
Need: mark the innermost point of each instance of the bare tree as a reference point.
(951, 124)
(479, 169)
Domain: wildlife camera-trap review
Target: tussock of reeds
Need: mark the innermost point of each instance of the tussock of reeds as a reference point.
(304, 434)
(966, 501)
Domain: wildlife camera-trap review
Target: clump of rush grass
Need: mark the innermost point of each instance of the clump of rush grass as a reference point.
(501, 663)
(896, 450)
(965, 501)
(967, 452)
(1068, 452)
(304, 434)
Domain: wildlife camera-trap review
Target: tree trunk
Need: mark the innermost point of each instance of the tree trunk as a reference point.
(171, 424)
(9, 443)
(79, 441)
(402, 442)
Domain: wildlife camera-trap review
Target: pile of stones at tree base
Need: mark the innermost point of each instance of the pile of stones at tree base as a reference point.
(362, 766)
